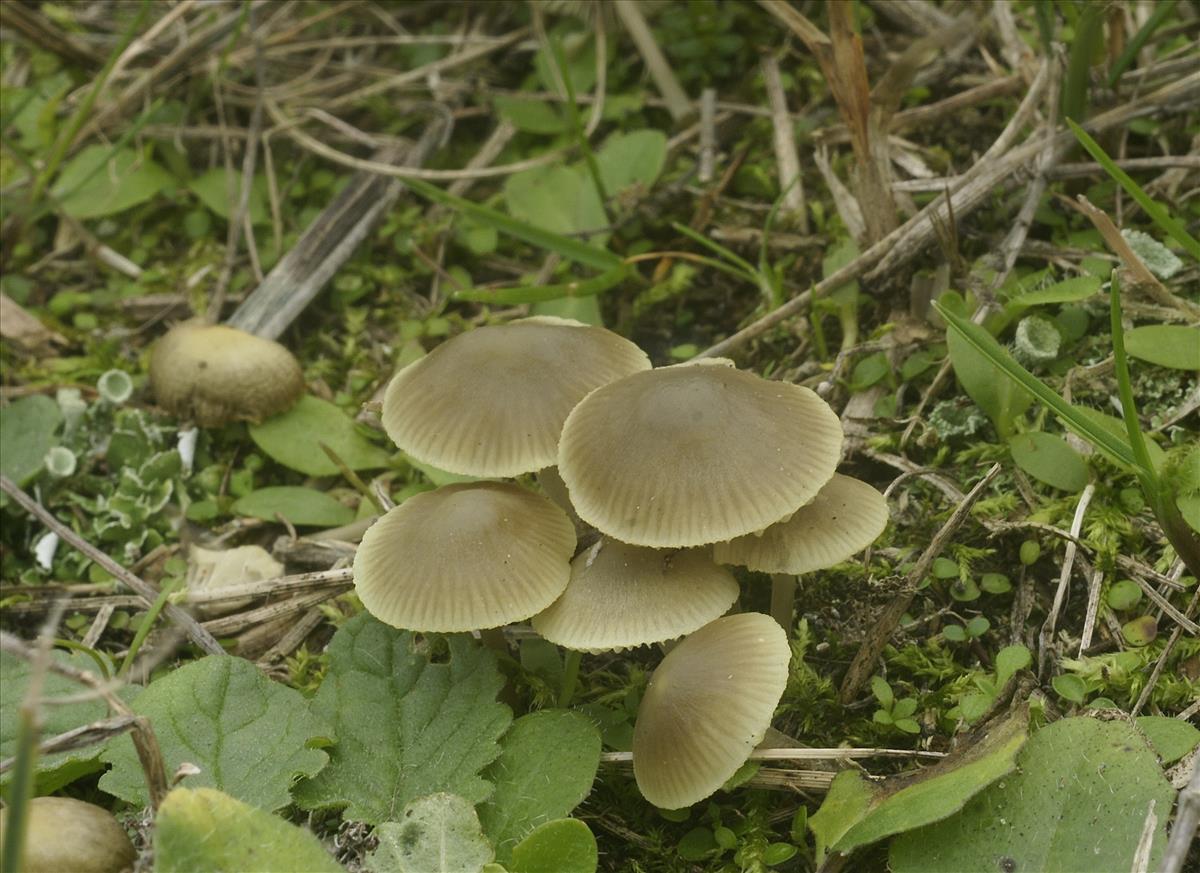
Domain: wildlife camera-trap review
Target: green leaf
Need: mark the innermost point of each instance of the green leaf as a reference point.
(1168, 345)
(1068, 291)
(60, 768)
(882, 691)
(1047, 458)
(557, 198)
(299, 505)
(204, 831)
(1171, 738)
(102, 181)
(1002, 399)
(870, 812)
(249, 736)
(530, 115)
(1116, 428)
(1076, 802)
(1070, 687)
(563, 846)
(634, 158)
(438, 833)
(1009, 660)
(406, 726)
(27, 428)
(219, 190)
(293, 439)
(845, 804)
(547, 762)
(983, 343)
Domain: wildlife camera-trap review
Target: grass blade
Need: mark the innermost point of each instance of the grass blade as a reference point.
(542, 293)
(1161, 10)
(1125, 391)
(1155, 210)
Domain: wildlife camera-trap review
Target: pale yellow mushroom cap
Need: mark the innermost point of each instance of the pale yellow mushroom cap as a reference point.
(687, 455)
(707, 706)
(71, 835)
(622, 596)
(844, 518)
(492, 401)
(464, 557)
(215, 374)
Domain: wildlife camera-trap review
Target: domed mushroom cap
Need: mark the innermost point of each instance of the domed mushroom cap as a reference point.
(464, 557)
(707, 706)
(492, 401)
(215, 374)
(695, 454)
(622, 596)
(844, 518)
(68, 834)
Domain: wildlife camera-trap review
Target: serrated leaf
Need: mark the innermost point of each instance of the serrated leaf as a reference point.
(219, 190)
(1076, 802)
(865, 813)
(546, 766)
(249, 736)
(438, 833)
(1171, 738)
(406, 726)
(1047, 458)
(101, 180)
(56, 770)
(299, 505)
(27, 428)
(205, 831)
(1168, 345)
(293, 439)
(563, 846)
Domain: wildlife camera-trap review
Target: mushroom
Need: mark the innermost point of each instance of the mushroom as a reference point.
(844, 518)
(707, 706)
(67, 834)
(695, 453)
(622, 596)
(215, 374)
(492, 401)
(465, 557)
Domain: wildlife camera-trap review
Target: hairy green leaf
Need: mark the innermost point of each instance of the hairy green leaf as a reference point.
(438, 833)
(563, 846)
(407, 725)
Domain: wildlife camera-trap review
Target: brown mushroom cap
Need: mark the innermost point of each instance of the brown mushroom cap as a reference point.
(464, 557)
(215, 374)
(70, 835)
(492, 401)
(696, 453)
(707, 706)
(622, 596)
(844, 518)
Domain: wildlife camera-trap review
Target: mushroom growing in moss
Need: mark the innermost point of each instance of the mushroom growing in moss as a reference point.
(707, 706)
(215, 374)
(65, 834)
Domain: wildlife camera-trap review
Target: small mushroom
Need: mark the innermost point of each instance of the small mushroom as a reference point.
(696, 453)
(465, 557)
(707, 706)
(622, 596)
(492, 401)
(215, 374)
(65, 834)
(844, 518)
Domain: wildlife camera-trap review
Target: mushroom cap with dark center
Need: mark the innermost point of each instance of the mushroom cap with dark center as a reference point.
(622, 596)
(707, 706)
(844, 518)
(215, 374)
(464, 557)
(492, 401)
(696, 453)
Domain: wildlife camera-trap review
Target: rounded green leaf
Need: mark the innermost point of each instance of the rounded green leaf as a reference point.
(101, 180)
(1125, 594)
(562, 846)
(1171, 738)
(1049, 459)
(27, 429)
(1168, 345)
(299, 505)
(294, 439)
(1070, 687)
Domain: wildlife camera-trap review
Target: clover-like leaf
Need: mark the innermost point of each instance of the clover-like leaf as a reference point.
(249, 736)
(407, 725)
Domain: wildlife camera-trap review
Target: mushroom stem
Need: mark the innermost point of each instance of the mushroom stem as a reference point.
(783, 599)
(570, 677)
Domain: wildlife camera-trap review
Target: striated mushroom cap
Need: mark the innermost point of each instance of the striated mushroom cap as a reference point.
(707, 706)
(464, 557)
(492, 401)
(215, 374)
(622, 596)
(70, 835)
(696, 453)
(844, 518)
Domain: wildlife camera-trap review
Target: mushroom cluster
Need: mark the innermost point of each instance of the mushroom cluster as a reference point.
(651, 479)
